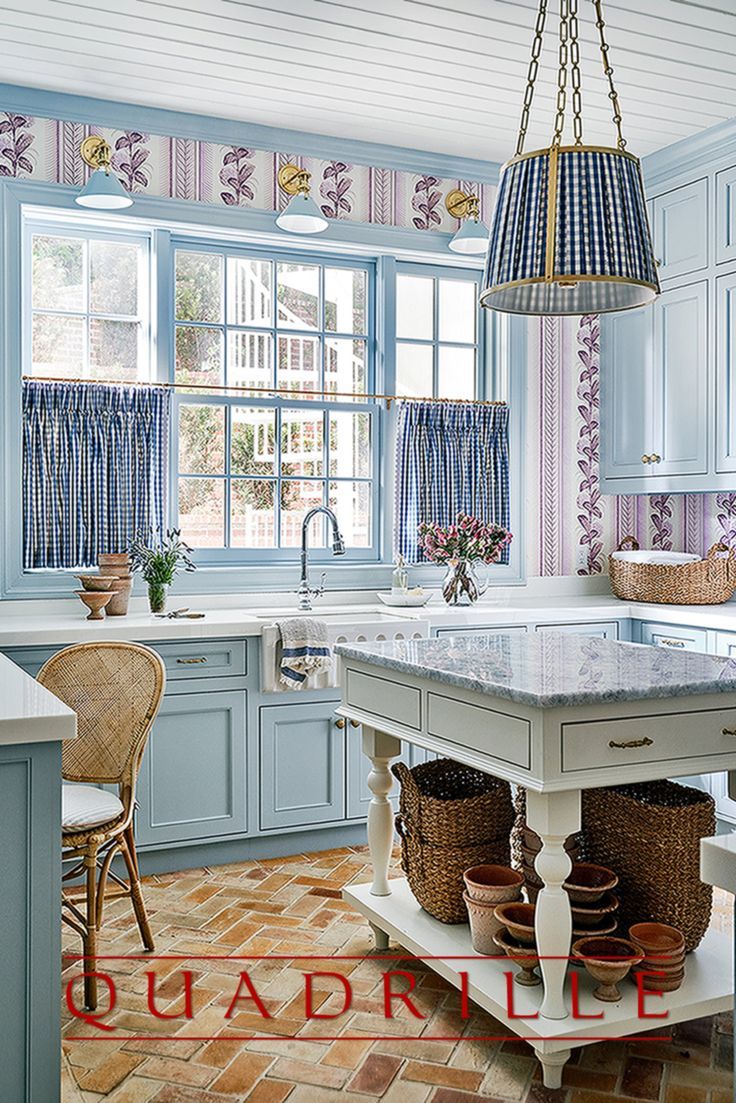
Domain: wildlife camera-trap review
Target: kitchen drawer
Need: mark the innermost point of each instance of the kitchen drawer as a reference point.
(601, 629)
(480, 631)
(206, 659)
(490, 731)
(381, 697)
(671, 736)
(671, 635)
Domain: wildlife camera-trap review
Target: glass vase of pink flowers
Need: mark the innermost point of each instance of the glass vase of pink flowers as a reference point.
(462, 548)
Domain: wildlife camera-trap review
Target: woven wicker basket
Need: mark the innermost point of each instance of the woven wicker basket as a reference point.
(710, 581)
(451, 817)
(650, 834)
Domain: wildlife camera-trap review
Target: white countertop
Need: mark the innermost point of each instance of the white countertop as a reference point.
(718, 861)
(28, 712)
(52, 627)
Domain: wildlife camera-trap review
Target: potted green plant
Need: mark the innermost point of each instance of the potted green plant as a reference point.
(158, 557)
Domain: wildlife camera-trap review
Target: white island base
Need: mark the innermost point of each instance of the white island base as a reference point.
(706, 990)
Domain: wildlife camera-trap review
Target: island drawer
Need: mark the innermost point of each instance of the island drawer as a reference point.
(634, 740)
(507, 738)
(385, 698)
(206, 659)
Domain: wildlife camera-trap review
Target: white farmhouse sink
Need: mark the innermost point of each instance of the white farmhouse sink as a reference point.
(343, 627)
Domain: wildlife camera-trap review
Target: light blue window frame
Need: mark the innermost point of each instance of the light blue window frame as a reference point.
(225, 555)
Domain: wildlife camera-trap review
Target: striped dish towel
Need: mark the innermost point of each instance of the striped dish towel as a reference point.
(304, 651)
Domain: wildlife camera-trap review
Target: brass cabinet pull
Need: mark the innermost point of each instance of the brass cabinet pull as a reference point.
(355, 723)
(646, 459)
(629, 743)
(671, 643)
(728, 731)
(189, 662)
(655, 457)
(340, 722)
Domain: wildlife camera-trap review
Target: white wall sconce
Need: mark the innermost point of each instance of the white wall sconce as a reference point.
(472, 235)
(103, 191)
(301, 215)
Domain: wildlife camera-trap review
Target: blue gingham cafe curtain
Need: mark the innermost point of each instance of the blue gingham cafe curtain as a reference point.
(450, 458)
(94, 469)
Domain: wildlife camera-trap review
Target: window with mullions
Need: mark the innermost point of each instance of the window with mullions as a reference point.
(439, 347)
(297, 335)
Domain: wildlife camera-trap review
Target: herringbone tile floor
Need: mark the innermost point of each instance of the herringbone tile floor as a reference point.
(293, 906)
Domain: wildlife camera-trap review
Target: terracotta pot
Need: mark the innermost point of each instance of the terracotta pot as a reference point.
(587, 883)
(606, 925)
(493, 884)
(95, 600)
(120, 589)
(608, 961)
(94, 582)
(657, 939)
(521, 955)
(483, 925)
(588, 916)
(519, 919)
(668, 983)
(117, 564)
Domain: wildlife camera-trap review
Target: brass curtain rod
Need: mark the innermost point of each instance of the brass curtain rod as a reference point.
(272, 391)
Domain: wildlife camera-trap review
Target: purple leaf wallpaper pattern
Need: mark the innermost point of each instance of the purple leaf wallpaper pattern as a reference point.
(237, 169)
(589, 495)
(129, 156)
(15, 141)
(426, 199)
(334, 188)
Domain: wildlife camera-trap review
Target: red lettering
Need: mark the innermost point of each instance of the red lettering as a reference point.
(248, 983)
(347, 1002)
(187, 1013)
(510, 1000)
(464, 996)
(574, 986)
(388, 995)
(94, 1020)
(641, 992)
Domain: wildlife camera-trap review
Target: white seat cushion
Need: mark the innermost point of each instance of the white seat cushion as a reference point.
(84, 806)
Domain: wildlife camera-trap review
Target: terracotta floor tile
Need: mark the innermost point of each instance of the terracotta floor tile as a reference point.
(177, 1072)
(109, 1074)
(375, 1074)
(678, 1093)
(346, 1055)
(642, 1079)
(135, 1089)
(442, 1075)
(269, 1091)
(302, 1072)
(241, 1074)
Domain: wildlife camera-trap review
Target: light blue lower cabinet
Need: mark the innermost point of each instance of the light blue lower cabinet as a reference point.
(480, 630)
(192, 779)
(604, 630)
(302, 765)
(674, 636)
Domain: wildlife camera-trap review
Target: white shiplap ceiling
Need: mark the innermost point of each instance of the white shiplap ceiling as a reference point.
(413, 73)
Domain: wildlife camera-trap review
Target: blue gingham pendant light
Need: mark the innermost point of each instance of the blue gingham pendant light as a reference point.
(570, 233)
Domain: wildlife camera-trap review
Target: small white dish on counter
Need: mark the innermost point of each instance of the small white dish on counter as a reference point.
(657, 558)
(406, 600)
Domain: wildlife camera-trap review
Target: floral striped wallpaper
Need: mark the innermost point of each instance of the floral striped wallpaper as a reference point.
(571, 526)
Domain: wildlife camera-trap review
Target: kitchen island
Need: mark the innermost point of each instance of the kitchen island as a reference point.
(556, 713)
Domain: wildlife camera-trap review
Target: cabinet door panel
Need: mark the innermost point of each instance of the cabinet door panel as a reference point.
(603, 630)
(726, 215)
(680, 229)
(726, 385)
(674, 637)
(681, 365)
(627, 393)
(192, 780)
(302, 765)
(479, 630)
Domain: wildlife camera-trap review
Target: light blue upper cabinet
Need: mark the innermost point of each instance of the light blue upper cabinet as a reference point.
(726, 382)
(681, 379)
(726, 215)
(680, 229)
(627, 395)
(302, 773)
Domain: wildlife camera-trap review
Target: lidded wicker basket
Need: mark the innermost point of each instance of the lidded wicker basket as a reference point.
(451, 817)
(710, 581)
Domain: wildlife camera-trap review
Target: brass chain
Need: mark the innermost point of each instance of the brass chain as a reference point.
(607, 69)
(577, 95)
(531, 76)
(562, 74)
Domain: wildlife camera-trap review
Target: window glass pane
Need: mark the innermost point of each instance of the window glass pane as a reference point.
(198, 355)
(201, 439)
(299, 364)
(414, 370)
(302, 443)
(456, 372)
(58, 345)
(113, 349)
(297, 497)
(198, 286)
(458, 310)
(253, 514)
(298, 296)
(249, 359)
(351, 503)
(253, 441)
(415, 306)
(249, 291)
(345, 367)
(113, 277)
(350, 444)
(345, 300)
(202, 512)
(58, 273)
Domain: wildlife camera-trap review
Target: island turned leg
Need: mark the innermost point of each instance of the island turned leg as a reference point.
(552, 1066)
(380, 749)
(553, 816)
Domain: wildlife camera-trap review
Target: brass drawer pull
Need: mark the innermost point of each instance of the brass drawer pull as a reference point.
(671, 643)
(340, 722)
(728, 731)
(189, 662)
(629, 743)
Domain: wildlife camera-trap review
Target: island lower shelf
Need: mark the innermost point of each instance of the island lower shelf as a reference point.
(707, 988)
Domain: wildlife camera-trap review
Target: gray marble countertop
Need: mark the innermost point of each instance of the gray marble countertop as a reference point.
(552, 669)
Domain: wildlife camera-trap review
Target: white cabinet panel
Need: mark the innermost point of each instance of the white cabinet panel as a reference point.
(680, 221)
(726, 215)
(681, 365)
(627, 393)
(726, 383)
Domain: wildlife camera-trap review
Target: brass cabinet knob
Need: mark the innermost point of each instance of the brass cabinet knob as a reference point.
(355, 723)
(340, 722)
(655, 458)
(646, 459)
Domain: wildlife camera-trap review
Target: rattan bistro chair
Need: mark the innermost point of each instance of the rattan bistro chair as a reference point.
(115, 689)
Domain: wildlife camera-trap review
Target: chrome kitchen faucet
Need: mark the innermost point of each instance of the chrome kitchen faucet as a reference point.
(338, 548)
